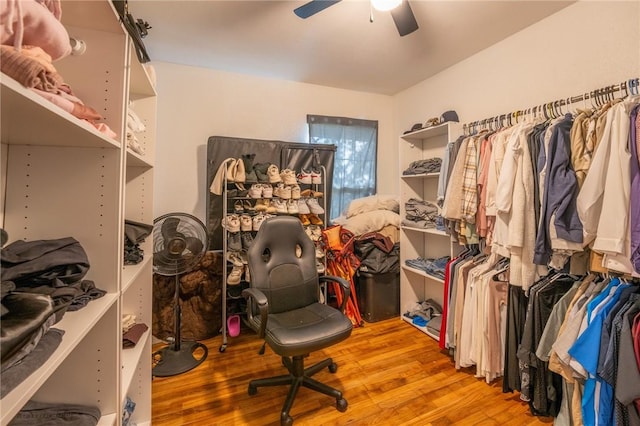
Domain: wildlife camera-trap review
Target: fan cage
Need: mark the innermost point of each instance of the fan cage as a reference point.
(187, 227)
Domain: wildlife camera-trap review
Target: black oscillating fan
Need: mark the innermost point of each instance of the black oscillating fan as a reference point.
(179, 241)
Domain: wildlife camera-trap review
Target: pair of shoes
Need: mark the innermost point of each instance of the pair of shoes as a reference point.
(310, 219)
(311, 193)
(304, 219)
(279, 205)
(260, 190)
(231, 223)
(288, 177)
(312, 177)
(282, 191)
(267, 205)
(303, 208)
(233, 325)
(258, 219)
(285, 207)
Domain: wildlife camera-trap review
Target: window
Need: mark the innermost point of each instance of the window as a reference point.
(354, 173)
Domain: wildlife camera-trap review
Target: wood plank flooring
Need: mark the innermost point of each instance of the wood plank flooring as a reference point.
(389, 372)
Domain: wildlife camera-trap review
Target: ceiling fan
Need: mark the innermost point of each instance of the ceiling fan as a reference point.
(402, 14)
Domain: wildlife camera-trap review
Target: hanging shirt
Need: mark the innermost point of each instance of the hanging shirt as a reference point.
(634, 209)
(560, 191)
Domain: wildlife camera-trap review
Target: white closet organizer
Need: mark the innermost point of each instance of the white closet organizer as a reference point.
(61, 177)
(415, 284)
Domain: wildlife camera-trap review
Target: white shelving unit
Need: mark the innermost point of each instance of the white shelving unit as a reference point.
(415, 284)
(61, 177)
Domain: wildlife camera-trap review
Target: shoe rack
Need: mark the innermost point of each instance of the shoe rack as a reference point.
(242, 218)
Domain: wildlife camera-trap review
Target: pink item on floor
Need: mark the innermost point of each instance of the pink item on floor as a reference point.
(233, 325)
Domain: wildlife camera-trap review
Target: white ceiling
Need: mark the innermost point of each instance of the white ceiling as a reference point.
(337, 47)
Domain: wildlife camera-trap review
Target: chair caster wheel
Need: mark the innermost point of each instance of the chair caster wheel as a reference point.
(222, 348)
(333, 367)
(252, 390)
(286, 420)
(341, 405)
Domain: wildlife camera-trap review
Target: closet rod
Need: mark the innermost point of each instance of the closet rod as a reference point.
(553, 109)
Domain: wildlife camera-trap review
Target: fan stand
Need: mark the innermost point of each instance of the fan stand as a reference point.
(177, 358)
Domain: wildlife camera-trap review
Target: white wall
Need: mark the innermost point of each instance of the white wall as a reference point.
(583, 47)
(195, 103)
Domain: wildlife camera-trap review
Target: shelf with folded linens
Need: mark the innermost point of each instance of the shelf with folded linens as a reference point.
(422, 235)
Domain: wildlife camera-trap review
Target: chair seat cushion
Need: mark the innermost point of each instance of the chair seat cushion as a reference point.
(307, 329)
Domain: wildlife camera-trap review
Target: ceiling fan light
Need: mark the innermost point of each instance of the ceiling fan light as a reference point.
(385, 5)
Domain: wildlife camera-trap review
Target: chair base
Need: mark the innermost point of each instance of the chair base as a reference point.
(300, 376)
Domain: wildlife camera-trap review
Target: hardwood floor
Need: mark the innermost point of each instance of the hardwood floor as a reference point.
(389, 372)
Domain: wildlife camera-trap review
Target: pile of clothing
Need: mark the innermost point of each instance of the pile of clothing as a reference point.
(32, 38)
(41, 280)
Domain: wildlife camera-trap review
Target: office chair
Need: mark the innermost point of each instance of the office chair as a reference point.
(284, 308)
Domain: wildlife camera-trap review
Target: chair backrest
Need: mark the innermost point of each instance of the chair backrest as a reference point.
(288, 277)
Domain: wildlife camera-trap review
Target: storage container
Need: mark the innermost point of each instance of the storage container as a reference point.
(378, 295)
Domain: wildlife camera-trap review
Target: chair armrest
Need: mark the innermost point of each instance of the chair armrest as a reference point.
(346, 288)
(260, 299)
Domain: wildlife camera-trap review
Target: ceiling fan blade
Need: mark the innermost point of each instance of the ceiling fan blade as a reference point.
(194, 245)
(313, 7)
(404, 19)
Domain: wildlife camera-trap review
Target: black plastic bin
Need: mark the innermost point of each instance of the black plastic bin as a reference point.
(378, 295)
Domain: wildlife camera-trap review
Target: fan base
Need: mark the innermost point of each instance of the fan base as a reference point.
(173, 362)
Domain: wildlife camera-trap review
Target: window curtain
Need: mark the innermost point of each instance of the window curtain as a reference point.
(354, 173)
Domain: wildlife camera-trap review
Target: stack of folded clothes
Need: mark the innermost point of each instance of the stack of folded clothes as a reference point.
(433, 267)
(418, 167)
(420, 214)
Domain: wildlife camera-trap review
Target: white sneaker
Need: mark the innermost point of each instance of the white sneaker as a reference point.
(255, 191)
(273, 174)
(316, 177)
(280, 205)
(303, 208)
(288, 177)
(295, 192)
(267, 190)
(304, 177)
(292, 207)
(314, 207)
(245, 223)
(232, 223)
(257, 221)
(282, 191)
